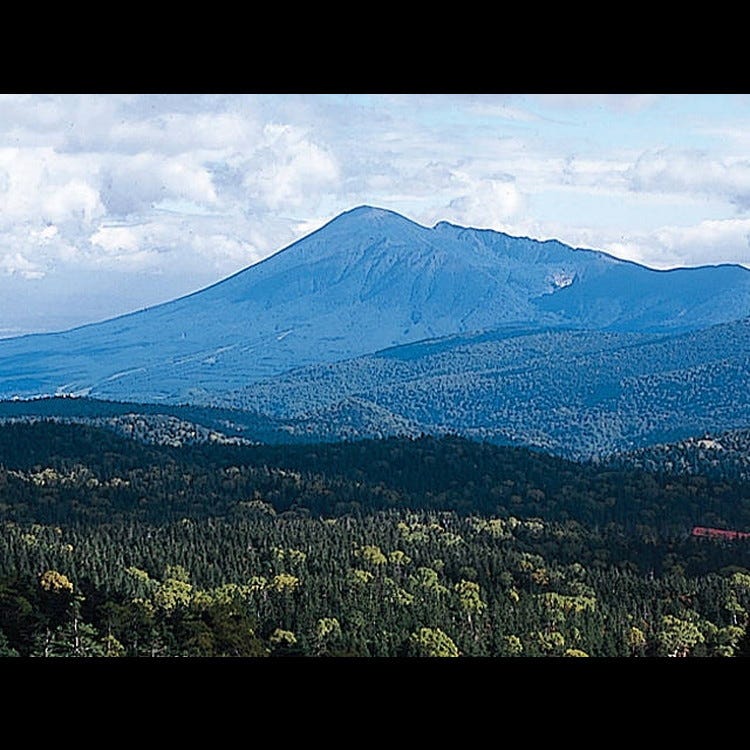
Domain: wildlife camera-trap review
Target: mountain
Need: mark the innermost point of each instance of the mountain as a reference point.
(366, 281)
(579, 394)
(722, 457)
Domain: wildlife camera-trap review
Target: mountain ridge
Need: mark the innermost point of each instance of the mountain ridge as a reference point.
(365, 281)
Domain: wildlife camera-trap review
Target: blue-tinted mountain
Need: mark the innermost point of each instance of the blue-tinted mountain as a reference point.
(368, 280)
(579, 394)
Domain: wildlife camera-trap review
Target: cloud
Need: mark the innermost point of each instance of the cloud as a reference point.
(288, 169)
(39, 184)
(208, 246)
(709, 242)
(76, 200)
(692, 172)
(486, 204)
(186, 189)
(616, 102)
(138, 183)
(114, 239)
(13, 264)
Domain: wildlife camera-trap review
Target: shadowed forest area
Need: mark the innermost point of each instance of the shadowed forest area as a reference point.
(397, 547)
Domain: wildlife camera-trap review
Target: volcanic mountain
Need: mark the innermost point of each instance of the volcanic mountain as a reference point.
(368, 280)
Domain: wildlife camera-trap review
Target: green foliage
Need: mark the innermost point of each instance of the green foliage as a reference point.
(172, 592)
(677, 637)
(469, 597)
(497, 552)
(62, 473)
(55, 582)
(432, 642)
(285, 583)
(373, 555)
(282, 637)
(511, 645)
(5, 648)
(635, 641)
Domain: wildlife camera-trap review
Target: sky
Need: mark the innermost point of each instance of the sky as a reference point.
(112, 203)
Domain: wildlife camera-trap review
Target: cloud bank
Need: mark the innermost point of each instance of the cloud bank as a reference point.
(149, 196)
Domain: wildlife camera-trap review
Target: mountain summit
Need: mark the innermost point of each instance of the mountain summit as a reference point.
(367, 280)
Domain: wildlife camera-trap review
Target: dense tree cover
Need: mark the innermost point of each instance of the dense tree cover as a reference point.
(393, 583)
(57, 473)
(426, 547)
(579, 394)
(124, 417)
(722, 456)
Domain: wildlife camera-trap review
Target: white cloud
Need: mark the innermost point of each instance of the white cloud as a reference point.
(13, 264)
(692, 172)
(175, 133)
(114, 239)
(209, 246)
(134, 184)
(709, 242)
(289, 169)
(617, 102)
(487, 204)
(504, 111)
(44, 235)
(188, 189)
(74, 201)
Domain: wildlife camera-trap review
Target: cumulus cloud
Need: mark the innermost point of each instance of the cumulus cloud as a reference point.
(488, 204)
(186, 189)
(40, 184)
(135, 184)
(709, 242)
(114, 239)
(288, 168)
(692, 172)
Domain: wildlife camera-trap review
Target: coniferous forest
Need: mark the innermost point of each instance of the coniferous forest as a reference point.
(395, 547)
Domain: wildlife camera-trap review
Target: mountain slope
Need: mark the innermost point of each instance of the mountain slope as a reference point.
(368, 280)
(576, 393)
(724, 457)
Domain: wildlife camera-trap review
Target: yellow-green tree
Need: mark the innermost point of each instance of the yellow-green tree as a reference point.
(432, 642)
(327, 633)
(677, 637)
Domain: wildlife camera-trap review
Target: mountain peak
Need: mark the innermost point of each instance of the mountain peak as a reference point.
(366, 211)
(372, 216)
(368, 280)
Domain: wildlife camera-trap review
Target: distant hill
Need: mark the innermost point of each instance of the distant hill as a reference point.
(153, 423)
(575, 393)
(722, 456)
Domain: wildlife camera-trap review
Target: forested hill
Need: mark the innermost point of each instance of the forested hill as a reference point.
(397, 547)
(721, 456)
(59, 473)
(579, 394)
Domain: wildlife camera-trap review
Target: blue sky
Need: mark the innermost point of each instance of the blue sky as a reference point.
(113, 203)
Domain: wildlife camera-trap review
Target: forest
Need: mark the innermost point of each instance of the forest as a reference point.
(579, 394)
(395, 547)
